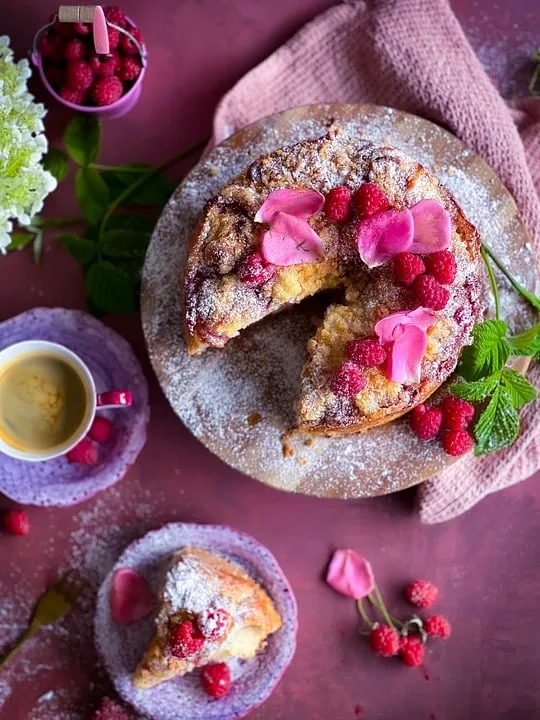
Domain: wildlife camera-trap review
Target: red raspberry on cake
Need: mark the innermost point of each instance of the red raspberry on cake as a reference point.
(421, 593)
(369, 199)
(437, 626)
(337, 204)
(216, 679)
(442, 265)
(412, 651)
(185, 640)
(456, 442)
(254, 270)
(74, 49)
(107, 90)
(130, 69)
(348, 380)
(79, 75)
(407, 266)
(384, 641)
(426, 421)
(213, 624)
(366, 352)
(457, 413)
(127, 44)
(16, 522)
(430, 293)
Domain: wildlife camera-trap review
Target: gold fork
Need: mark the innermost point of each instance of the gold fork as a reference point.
(55, 602)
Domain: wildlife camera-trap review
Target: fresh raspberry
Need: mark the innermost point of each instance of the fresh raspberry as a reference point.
(366, 352)
(101, 429)
(130, 69)
(216, 679)
(111, 710)
(421, 593)
(51, 47)
(95, 63)
(105, 67)
(337, 203)
(185, 640)
(73, 96)
(214, 623)
(115, 15)
(384, 640)
(430, 293)
(412, 651)
(369, 199)
(79, 75)
(114, 37)
(74, 49)
(107, 90)
(457, 413)
(348, 380)
(63, 29)
(442, 265)
(127, 44)
(426, 421)
(407, 266)
(82, 28)
(254, 270)
(85, 453)
(55, 75)
(16, 522)
(456, 442)
(437, 626)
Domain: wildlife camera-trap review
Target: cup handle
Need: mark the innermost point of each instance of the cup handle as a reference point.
(114, 399)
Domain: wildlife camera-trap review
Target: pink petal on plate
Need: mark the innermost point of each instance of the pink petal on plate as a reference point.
(384, 235)
(432, 227)
(350, 574)
(291, 241)
(422, 318)
(131, 597)
(301, 204)
(408, 349)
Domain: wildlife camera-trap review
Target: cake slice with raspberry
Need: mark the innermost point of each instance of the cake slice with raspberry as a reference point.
(341, 214)
(211, 610)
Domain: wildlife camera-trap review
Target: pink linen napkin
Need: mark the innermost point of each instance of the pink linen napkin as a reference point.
(374, 52)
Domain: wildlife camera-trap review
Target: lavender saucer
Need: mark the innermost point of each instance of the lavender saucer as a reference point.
(113, 366)
(122, 646)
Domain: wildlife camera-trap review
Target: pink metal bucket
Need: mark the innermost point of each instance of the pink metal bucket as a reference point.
(116, 109)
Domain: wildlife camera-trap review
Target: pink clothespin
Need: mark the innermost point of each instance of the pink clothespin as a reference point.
(92, 14)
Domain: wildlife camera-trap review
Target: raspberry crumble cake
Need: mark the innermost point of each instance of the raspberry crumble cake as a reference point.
(369, 224)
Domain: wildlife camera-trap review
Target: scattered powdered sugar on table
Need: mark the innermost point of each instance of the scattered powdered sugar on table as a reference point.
(259, 372)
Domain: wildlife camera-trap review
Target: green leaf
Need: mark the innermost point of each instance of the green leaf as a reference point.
(19, 241)
(92, 194)
(82, 249)
(519, 389)
(498, 425)
(526, 343)
(155, 192)
(124, 243)
(477, 390)
(82, 138)
(130, 222)
(56, 162)
(109, 288)
(488, 353)
(37, 247)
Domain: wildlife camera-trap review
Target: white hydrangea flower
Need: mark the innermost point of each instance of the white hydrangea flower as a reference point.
(24, 184)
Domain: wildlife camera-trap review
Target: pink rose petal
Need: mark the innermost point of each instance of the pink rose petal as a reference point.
(422, 318)
(432, 227)
(384, 235)
(301, 204)
(291, 241)
(131, 597)
(350, 574)
(408, 349)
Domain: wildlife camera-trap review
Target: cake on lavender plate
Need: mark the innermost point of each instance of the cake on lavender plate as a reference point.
(377, 230)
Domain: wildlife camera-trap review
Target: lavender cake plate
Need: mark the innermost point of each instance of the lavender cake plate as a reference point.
(122, 646)
(114, 366)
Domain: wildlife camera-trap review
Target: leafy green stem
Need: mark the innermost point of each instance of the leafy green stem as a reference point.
(527, 294)
(45, 224)
(493, 282)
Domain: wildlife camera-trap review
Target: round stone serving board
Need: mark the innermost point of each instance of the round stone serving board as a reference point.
(239, 401)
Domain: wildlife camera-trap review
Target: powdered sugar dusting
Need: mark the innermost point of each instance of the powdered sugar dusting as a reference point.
(260, 371)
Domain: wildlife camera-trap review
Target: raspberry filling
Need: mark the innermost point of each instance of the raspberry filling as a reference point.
(186, 640)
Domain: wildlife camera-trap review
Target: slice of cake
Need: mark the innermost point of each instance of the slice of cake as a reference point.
(211, 610)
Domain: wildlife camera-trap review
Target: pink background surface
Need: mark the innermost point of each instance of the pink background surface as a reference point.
(486, 562)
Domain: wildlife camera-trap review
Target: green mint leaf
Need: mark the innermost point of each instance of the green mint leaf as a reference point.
(526, 343)
(155, 192)
(519, 389)
(82, 138)
(56, 162)
(109, 288)
(488, 353)
(477, 390)
(125, 243)
(92, 194)
(82, 249)
(498, 425)
(19, 241)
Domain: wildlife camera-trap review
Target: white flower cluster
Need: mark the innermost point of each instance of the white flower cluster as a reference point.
(24, 184)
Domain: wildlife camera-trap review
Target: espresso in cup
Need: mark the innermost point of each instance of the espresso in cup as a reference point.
(43, 402)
